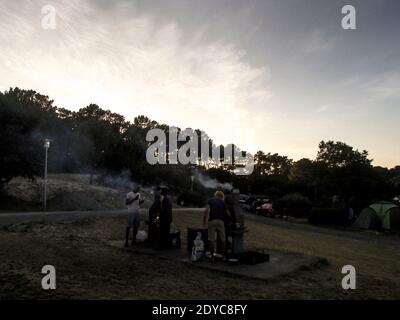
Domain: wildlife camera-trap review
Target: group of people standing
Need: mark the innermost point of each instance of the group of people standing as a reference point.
(159, 221)
(219, 215)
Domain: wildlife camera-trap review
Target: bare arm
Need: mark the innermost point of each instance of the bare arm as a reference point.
(141, 200)
(129, 201)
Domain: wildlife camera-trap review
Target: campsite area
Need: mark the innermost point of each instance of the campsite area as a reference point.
(90, 267)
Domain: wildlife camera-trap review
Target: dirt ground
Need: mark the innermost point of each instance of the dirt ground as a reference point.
(88, 267)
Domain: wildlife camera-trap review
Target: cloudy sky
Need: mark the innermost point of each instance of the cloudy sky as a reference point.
(277, 75)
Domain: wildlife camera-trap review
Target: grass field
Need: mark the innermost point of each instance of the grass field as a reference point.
(89, 267)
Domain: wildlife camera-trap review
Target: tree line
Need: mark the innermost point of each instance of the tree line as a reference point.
(94, 140)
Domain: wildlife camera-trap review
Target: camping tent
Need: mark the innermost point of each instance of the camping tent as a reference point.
(382, 214)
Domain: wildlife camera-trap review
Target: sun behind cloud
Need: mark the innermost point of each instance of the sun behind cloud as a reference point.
(133, 66)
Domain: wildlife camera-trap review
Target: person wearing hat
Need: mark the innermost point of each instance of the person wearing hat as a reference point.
(154, 218)
(165, 219)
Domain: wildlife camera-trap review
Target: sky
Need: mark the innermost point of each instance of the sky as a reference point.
(278, 75)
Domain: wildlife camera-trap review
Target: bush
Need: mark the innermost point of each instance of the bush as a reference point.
(294, 204)
(328, 216)
(191, 199)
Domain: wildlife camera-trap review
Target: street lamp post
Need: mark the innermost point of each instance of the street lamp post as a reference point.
(46, 146)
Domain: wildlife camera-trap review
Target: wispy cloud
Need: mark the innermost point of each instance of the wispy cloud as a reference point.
(318, 42)
(386, 85)
(208, 68)
(132, 64)
(323, 108)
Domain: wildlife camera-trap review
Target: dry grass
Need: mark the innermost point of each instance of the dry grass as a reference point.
(88, 267)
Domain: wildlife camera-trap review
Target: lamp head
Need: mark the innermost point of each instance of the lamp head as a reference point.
(46, 143)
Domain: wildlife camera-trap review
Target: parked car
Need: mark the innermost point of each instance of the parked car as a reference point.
(246, 203)
(266, 209)
(256, 205)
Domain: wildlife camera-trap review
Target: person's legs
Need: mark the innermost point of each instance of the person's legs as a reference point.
(127, 236)
(220, 229)
(164, 234)
(150, 234)
(136, 224)
(211, 236)
(227, 242)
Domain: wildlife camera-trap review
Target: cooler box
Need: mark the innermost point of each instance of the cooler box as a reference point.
(192, 234)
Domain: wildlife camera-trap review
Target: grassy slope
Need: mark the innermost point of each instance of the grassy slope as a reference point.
(66, 192)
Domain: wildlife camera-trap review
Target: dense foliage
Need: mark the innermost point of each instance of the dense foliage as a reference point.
(95, 140)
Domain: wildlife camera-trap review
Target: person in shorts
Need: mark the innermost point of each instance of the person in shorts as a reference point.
(216, 213)
(133, 202)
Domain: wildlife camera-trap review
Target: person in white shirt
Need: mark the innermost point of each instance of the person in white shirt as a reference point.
(133, 202)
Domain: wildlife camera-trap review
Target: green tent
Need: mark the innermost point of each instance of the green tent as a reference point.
(385, 215)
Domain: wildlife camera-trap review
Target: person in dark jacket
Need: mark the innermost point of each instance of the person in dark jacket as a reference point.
(230, 220)
(165, 219)
(154, 218)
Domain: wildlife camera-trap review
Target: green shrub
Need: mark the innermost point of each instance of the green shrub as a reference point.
(294, 204)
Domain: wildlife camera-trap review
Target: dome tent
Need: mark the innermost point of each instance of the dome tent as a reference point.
(385, 215)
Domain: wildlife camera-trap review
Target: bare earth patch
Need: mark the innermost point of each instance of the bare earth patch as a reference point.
(88, 267)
